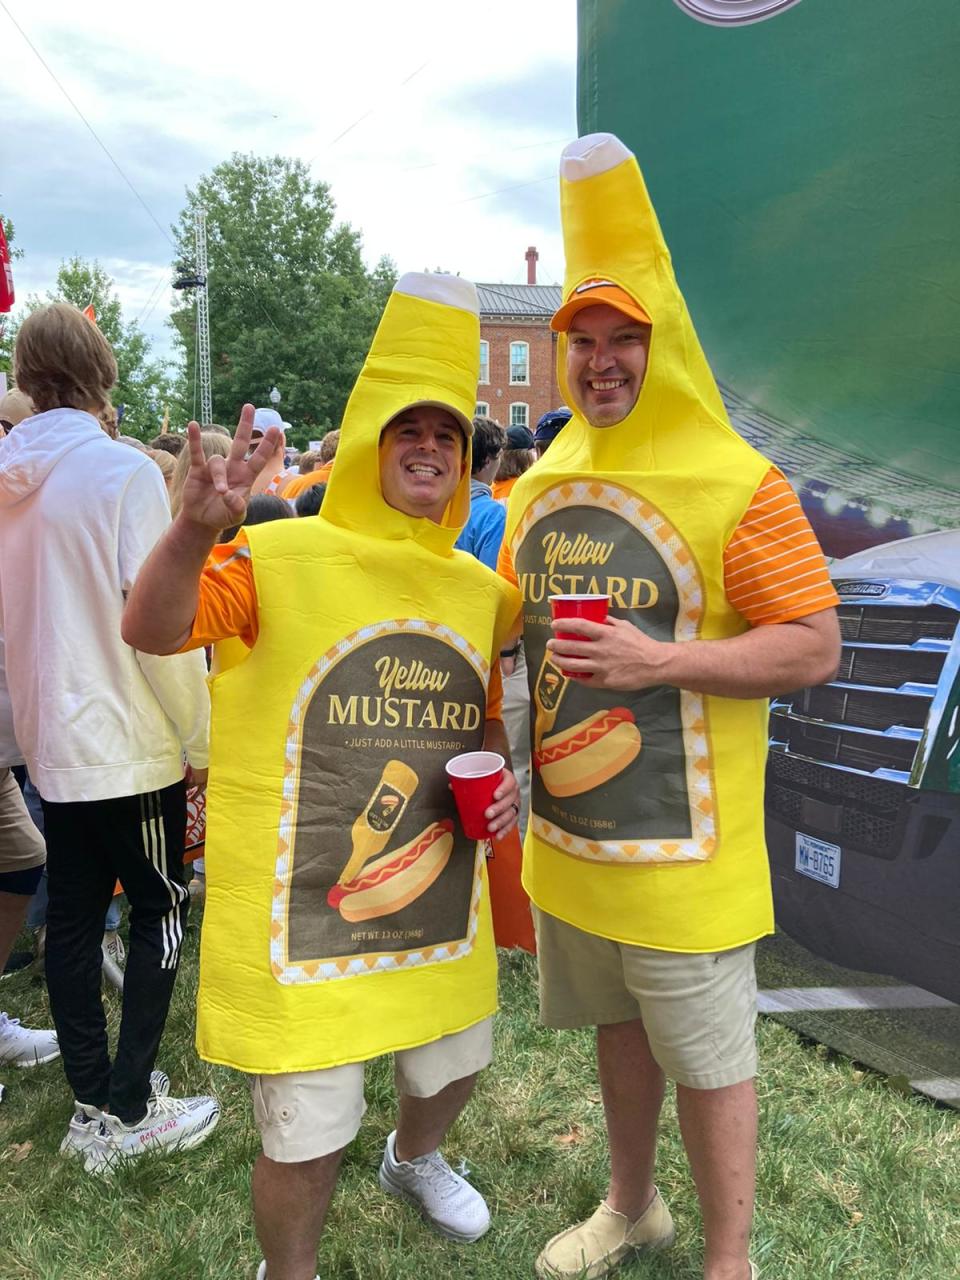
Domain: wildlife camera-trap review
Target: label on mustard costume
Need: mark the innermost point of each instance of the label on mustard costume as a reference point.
(646, 805)
(614, 747)
(396, 701)
(347, 915)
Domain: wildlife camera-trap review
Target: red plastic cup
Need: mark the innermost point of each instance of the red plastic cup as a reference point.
(593, 608)
(474, 777)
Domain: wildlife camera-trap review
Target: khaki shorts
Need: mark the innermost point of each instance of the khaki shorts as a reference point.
(308, 1114)
(698, 1010)
(21, 844)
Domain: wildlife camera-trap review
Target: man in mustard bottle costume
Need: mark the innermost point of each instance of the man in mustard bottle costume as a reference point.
(347, 915)
(645, 854)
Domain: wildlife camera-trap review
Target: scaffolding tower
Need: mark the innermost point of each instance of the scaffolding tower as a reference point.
(203, 319)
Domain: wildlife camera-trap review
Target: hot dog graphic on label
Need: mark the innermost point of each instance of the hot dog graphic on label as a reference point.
(397, 878)
(589, 753)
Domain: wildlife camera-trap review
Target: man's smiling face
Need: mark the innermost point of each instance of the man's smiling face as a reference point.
(606, 363)
(422, 457)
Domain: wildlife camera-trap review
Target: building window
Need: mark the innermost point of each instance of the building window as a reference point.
(519, 414)
(484, 361)
(519, 362)
(481, 409)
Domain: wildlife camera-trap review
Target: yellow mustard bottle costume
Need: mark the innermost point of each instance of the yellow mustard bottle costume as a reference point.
(647, 807)
(347, 915)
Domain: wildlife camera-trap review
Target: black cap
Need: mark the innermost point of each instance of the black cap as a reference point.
(519, 438)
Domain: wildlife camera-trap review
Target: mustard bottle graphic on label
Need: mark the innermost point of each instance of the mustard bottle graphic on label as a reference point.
(379, 816)
(548, 690)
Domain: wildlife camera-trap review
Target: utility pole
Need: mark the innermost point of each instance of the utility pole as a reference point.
(203, 319)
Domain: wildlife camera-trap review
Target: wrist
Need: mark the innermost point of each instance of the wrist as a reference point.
(669, 665)
(189, 539)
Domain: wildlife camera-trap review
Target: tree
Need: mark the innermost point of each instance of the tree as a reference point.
(291, 303)
(143, 385)
(6, 328)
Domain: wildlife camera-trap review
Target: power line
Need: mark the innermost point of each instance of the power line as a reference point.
(153, 299)
(490, 155)
(502, 190)
(100, 143)
(360, 119)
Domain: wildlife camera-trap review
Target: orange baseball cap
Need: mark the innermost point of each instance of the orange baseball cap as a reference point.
(590, 294)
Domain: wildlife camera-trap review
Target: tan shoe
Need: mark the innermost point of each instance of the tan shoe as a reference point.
(593, 1248)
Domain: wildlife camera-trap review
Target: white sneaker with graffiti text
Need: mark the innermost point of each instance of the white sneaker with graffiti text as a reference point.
(84, 1127)
(171, 1124)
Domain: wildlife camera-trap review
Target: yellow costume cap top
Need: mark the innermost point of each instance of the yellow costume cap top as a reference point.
(347, 914)
(647, 822)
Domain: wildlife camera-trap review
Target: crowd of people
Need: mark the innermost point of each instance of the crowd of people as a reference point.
(365, 617)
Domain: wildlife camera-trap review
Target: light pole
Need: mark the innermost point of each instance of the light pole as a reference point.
(274, 397)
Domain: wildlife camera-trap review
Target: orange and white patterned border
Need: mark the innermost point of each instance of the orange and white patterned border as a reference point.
(678, 557)
(311, 971)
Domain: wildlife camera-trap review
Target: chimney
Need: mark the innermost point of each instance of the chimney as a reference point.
(531, 256)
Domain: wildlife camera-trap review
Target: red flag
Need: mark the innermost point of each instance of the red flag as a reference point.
(90, 313)
(6, 275)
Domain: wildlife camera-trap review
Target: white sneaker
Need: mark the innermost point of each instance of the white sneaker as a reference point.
(84, 1126)
(21, 1047)
(174, 1124)
(114, 958)
(447, 1201)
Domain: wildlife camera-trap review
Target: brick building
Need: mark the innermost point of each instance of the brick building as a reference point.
(518, 367)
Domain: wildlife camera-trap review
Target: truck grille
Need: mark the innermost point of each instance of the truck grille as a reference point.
(868, 810)
(889, 668)
(851, 749)
(872, 624)
(871, 716)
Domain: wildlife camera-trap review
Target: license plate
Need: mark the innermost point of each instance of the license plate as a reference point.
(818, 860)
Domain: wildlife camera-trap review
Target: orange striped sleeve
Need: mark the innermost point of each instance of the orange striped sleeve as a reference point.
(228, 597)
(505, 566)
(495, 692)
(773, 568)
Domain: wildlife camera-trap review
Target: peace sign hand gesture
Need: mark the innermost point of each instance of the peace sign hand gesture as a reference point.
(217, 490)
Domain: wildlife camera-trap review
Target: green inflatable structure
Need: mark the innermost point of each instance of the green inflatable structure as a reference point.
(803, 159)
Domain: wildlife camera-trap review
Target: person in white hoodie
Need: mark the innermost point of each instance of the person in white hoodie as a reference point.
(104, 730)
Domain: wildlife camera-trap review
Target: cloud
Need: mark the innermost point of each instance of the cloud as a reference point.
(408, 112)
(529, 102)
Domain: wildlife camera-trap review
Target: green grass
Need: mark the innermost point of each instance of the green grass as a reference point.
(855, 1180)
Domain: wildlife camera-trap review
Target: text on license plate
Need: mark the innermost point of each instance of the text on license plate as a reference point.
(818, 860)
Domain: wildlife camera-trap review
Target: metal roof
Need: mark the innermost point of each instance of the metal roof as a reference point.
(518, 299)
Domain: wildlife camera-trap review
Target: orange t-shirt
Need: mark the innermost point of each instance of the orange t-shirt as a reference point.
(501, 488)
(228, 607)
(296, 484)
(773, 568)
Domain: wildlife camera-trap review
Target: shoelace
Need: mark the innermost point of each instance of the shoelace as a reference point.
(12, 1024)
(164, 1105)
(436, 1164)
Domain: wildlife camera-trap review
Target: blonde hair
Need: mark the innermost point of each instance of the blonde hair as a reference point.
(108, 420)
(62, 361)
(167, 464)
(308, 461)
(515, 462)
(214, 445)
(329, 445)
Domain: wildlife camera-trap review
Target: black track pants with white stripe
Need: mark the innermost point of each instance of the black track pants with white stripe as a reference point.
(137, 840)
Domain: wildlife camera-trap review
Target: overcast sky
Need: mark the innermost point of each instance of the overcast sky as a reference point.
(414, 113)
